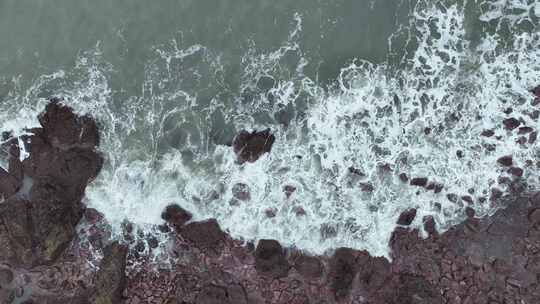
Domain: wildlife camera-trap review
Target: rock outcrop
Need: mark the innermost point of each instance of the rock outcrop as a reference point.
(248, 147)
(43, 190)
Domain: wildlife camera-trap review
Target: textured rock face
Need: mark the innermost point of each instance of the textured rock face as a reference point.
(248, 147)
(270, 259)
(111, 278)
(482, 260)
(43, 192)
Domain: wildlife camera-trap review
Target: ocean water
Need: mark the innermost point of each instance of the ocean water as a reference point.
(382, 86)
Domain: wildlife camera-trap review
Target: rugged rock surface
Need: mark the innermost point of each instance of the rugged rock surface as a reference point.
(42, 260)
(43, 190)
(248, 147)
(111, 277)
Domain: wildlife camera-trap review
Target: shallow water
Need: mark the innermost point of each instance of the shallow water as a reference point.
(341, 83)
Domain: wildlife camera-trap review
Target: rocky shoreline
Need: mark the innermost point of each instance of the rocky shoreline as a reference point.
(55, 250)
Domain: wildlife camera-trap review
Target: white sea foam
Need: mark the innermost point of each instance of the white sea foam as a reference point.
(159, 146)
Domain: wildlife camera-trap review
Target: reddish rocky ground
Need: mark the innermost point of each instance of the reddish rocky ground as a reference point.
(54, 250)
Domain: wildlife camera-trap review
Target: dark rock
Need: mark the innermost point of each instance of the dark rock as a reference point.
(241, 192)
(250, 146)
(459, 154)
(429, 225)
(452, 197)
(505, 161)
(92, 216)
(468, 199)
(508, 111)
(427, 131)
(64, 129)
(308, 266)
(214, 294)
(532, 137)
(9, 184)
(487, 133)
(111, 276)
(176, 216)
(406, 217)
(270, 259)
(206, 234)
(521, 140)
(366, 187)
(403, 177)
(525, 130)
(419, 181)
(516, 171)
(470, 212)
(534, 216)
(357, 172)
(289, 190)
(343, 270)
(6, 277)
(511, 123)
(417, 290)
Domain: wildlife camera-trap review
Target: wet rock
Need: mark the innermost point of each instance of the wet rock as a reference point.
(176, 216)
(505, 161)
(518, 172)
(270, 213)
(111, 276)
(92, 216)
(487, 133)
(9, 184)
(308, 266)
(248, 147)
(470, 212)
(343, 270)
(270, 259)
(419, 181)
(459, 154)
(511, 123)
(534, 216)
(241, 192)
(525, 130)
(403, 177)
(429, 225)
(64, 129)
(468, 199)
(406, 217)
(532, 137)
(205, 234)
(366, 187)
(452, 197)
(289, 190)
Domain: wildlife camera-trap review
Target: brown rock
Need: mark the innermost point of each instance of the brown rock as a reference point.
(406, 217)
(309, 267)
(205, 234)
(176, 216)
(250, 146)
(419, 181)
(505, 161)
(270, 259)
(511, 123)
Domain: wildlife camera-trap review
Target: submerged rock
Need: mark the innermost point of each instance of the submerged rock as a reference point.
(248, 147)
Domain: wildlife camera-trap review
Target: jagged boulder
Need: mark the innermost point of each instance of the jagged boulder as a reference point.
(248, 147)
(43, 190)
